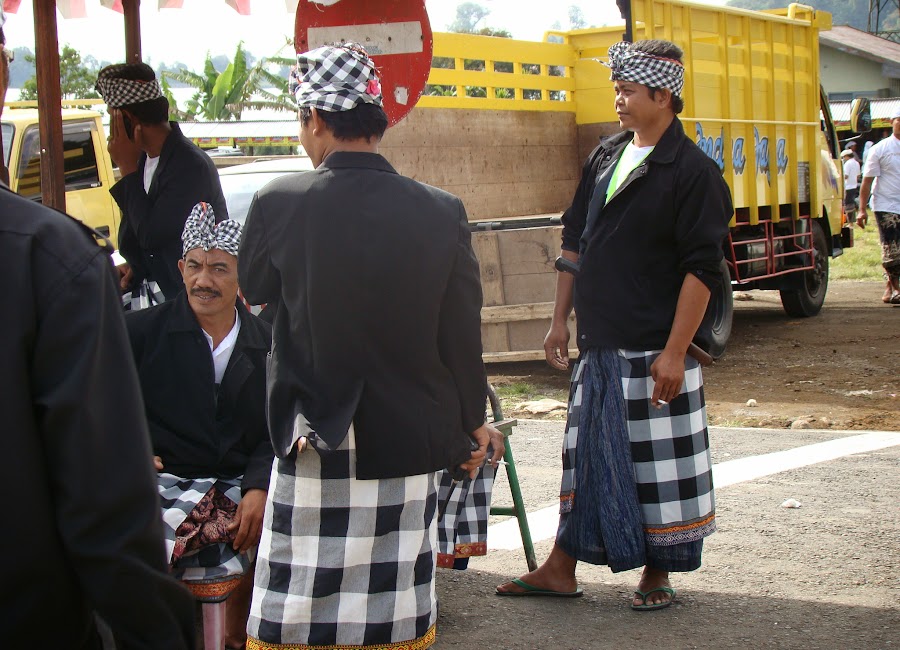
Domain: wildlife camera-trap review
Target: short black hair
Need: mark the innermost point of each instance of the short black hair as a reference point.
(363, 121)
(664, 50)
(152, 111)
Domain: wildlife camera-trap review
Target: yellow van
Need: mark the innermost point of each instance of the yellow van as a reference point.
(87, 165)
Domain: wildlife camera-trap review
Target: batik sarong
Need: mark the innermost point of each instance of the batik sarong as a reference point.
(190, 560)
(889, 234)
(462, 533)
(670, 461)
(344, 562)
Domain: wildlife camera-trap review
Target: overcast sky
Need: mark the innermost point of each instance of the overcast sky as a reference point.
(203, 26)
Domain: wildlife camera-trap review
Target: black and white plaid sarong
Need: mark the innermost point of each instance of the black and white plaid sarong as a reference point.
(342, 561)
(462, 533)
(178, 496)
(669, 451)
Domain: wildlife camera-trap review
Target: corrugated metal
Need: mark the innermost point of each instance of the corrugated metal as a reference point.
(855, 41)
(882, 110)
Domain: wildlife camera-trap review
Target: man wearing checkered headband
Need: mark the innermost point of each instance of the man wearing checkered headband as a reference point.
(376, 381)
(201, 359)
(641, 254)
(163, 175)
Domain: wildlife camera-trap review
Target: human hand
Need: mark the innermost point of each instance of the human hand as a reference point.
(125, 276)
(668, 376)
(123, 150)
(482, 436)
(863, 217)
(157, 463)
(248, 520)
(556, 345)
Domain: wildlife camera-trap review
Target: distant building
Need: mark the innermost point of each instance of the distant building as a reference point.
(854, 63)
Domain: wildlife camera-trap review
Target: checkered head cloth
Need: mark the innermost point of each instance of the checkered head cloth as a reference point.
(122, 92)
(335, 78)
(627, 64)
(202, 231)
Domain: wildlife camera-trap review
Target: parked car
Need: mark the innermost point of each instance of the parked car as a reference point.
(241, 182)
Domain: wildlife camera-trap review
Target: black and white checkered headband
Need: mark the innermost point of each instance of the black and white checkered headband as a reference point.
(122, 92)
(335, 78)
(202, 231)
(638, 67)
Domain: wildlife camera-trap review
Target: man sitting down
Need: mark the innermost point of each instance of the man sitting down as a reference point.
(201, 359)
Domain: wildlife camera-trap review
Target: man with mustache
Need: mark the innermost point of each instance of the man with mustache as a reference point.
(201, 359)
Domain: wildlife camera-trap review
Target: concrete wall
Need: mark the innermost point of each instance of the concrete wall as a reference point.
(847, 73)
(500, 163)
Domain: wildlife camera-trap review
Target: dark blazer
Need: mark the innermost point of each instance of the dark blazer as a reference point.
(669, 217)
(198, 429)
(152, 222)
(82, 529)
(379, 313)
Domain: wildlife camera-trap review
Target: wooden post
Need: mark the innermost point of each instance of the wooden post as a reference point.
(46, 45)
(132, 9)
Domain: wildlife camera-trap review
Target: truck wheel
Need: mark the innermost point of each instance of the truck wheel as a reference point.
(720, 314)
(808, 300)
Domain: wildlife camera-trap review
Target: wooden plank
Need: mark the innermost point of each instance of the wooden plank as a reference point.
(529, 287)
(530, 250)
(53, 183)
(499, 200)
(453, 127)
(494, 337)
(515, 313)
(522, 355)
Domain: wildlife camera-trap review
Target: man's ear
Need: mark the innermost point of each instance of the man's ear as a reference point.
(181, 266)
(316, 121)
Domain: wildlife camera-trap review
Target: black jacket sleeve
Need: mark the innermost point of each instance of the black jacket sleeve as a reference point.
(459, 332)
(575, 218)
(91, 422)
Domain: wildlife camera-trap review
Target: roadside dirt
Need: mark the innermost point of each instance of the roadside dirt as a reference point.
(837, 370)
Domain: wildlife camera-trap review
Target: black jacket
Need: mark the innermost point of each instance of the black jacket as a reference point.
(668, 218)
(379, 315)
(201, 430)
(82, 528)
(152, 222)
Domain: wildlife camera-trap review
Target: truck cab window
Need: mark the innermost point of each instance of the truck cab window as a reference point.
(79, 160)
(8, 133)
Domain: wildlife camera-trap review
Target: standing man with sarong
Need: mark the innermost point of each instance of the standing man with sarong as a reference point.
(644, 235)
(376, 380)
(881, 178)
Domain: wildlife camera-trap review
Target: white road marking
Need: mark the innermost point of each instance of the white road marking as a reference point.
(542, 523)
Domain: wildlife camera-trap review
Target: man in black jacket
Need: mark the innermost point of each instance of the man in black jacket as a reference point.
(163, 176)
(644, 235)
(376, 379)
(201, 359)
(83, 533)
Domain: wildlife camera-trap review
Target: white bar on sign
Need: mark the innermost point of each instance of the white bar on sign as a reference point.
(377, 38)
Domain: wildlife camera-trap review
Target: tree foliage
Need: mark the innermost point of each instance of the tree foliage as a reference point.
(240, 86)
(844, 12)
(76, 76)
(468, 15)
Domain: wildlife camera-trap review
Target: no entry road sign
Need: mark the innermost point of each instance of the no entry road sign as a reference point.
(395, 33)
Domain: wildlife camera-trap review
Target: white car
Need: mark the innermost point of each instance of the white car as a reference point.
(241, 182)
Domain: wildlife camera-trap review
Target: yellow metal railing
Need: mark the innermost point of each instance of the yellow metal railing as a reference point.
(491, 73)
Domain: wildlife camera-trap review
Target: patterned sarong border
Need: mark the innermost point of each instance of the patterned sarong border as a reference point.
(424, 641)
(446, 560)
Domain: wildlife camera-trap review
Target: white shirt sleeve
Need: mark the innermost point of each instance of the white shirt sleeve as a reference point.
(873, 163)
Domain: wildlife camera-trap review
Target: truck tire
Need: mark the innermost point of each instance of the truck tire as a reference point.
(720, 314)
(808, 300)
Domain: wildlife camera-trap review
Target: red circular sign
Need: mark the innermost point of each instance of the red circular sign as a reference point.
(395, 33)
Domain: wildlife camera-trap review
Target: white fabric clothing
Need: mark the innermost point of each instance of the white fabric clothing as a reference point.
(222, 354)
(150, 166)
(883, 163)
(851, 174)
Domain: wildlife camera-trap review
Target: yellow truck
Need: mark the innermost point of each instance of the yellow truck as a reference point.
(507, 124)
(87, 165)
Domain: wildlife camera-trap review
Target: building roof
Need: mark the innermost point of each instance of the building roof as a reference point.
(242, 132)
(863, 44)
(881, 110)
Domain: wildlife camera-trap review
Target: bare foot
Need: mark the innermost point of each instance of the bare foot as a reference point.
(557, 573)
(652, 579)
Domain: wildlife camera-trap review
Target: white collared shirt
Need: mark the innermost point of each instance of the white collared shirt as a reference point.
(150, 166)
(222, 354)
(883, 162)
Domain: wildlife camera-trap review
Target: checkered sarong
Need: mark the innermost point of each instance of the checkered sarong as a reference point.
(669, 452)
(342, 561)
(178, 496)
(463, 530)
